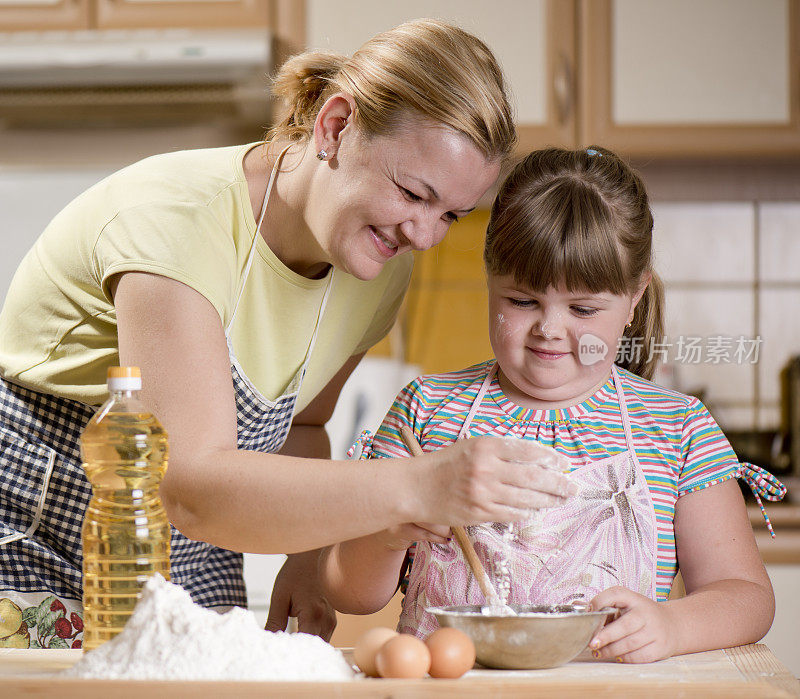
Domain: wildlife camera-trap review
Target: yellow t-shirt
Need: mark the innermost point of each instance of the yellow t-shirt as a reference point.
(186, 216)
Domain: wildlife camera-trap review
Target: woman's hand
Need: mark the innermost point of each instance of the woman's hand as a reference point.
(644, 632)
(490, 479)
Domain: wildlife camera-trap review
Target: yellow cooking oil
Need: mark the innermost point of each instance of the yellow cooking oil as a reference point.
(126, 534)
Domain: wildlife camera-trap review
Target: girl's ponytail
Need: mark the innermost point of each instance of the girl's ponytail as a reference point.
(638, 352)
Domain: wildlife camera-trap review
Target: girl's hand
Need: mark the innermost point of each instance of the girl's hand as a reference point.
(402, 536)
(297, 592)
(644, 632)
(490, 479)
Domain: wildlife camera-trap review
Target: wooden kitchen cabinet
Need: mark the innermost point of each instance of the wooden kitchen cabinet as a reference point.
(685, 78)
(45, 15)
(28, 15)
(556, 122)
(690, 77)
(115, 14)
(534, 41)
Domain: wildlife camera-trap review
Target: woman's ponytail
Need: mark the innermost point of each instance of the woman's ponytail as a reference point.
(299, 86)
(424, 68)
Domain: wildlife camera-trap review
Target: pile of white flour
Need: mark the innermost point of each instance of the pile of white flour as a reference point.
(169, 637)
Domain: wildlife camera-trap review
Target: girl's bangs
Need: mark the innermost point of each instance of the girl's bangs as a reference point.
(571, 241)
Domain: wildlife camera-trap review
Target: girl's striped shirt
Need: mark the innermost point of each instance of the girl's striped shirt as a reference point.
(680, 447)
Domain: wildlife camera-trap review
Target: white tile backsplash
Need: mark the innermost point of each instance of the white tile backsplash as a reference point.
(708, 314)
(781, 332)
(713, 242)
(779, 228)
(708, 242)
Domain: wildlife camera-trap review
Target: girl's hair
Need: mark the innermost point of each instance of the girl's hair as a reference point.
(581, 218)
(425, 68)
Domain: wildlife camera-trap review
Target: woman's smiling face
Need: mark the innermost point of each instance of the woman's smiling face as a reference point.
(384, 196)
(549, 345)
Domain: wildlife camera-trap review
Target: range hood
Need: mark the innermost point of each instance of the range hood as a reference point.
(142, 77)
(36, 60)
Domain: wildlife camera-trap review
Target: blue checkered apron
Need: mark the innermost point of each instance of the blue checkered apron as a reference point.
(44, 494)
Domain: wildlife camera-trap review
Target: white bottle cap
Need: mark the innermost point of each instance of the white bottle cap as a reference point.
(124, 378)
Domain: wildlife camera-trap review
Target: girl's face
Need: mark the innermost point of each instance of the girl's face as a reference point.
(554, 348)
(385, 196)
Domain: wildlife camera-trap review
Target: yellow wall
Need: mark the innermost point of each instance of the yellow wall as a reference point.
(444, 318)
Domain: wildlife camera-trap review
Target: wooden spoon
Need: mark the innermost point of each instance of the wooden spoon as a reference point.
(461, 536)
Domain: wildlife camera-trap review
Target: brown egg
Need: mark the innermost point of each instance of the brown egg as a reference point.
(367, 647)
(404, 656)
(452, 653)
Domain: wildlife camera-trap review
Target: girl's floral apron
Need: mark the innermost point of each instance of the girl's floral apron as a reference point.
(604, 536)
(44, 494)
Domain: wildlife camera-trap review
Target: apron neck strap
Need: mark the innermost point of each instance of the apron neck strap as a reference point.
(464, 431)
(251, 253)
(623, 406)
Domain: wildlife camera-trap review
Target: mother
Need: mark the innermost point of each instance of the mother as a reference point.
(247, 283)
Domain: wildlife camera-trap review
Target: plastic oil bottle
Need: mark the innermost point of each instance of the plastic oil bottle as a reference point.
(126, 534)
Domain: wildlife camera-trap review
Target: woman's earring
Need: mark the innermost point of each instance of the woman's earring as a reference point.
(323, 154)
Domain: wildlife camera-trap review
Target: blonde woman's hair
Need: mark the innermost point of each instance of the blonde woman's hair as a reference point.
(425, 68)
(581, 218)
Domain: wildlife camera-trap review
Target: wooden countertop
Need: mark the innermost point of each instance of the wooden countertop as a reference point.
(746, 671)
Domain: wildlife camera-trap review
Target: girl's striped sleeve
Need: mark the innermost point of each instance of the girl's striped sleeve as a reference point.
(707, 456)
(406, 410)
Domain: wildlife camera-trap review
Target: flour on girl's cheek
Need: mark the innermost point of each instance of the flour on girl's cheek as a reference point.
(503, 327)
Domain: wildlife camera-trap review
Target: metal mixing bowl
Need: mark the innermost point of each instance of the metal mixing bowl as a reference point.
(538, 637)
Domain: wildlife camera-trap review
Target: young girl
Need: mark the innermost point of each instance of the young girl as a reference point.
(569, 262)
